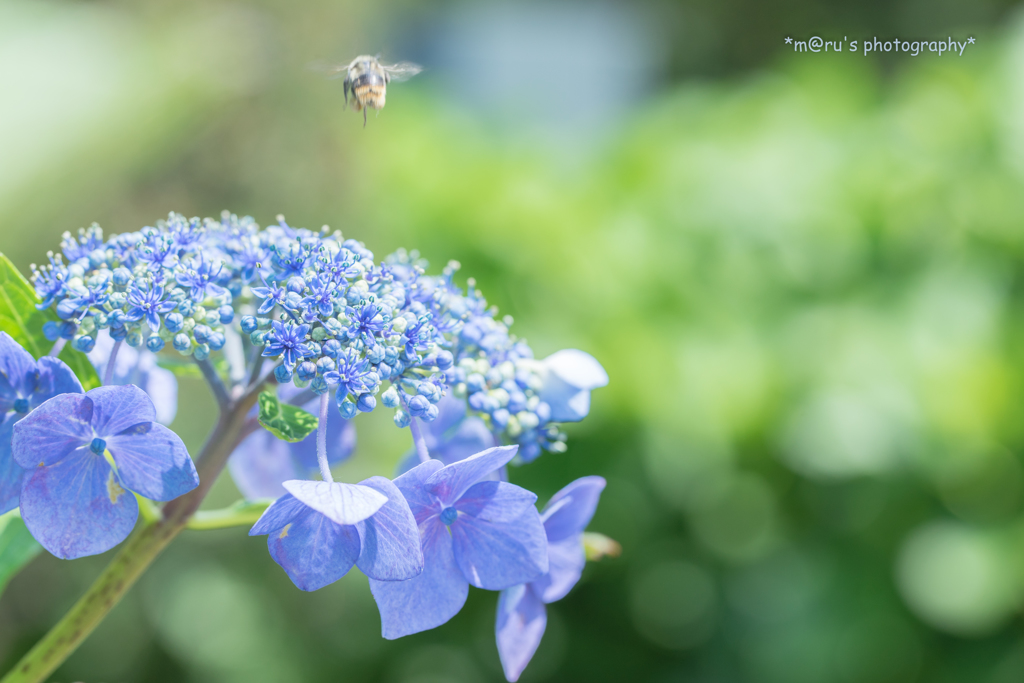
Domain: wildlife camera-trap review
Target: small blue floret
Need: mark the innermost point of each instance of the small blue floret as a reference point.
(98, 446)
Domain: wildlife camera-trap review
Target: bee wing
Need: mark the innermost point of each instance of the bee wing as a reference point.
(329, 70)
(402, 71)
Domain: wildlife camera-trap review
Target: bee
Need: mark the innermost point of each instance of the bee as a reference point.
(366, 79)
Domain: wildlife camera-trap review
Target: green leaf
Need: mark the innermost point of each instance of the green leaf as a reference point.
(285, 421)
(20, 318)
(17, 547)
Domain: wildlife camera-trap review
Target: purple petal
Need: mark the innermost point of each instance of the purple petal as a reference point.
(450, 482)
(496, 501)
(77, 507)
(152, 461)
(518, 629)
(569, 511)
(341, 503)
(11, 473)
(497, 555)
(261, 464)
(428, 600)
(16, 370)
(53, 430)
(390, 549)
(118, 408)
(422, 504)
(280, 513)
(566, 559)
(54, 378)
(451, 410)
(313, 550)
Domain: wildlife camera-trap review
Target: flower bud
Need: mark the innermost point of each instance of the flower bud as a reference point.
(51, 331)
(84, 343)
(283, 374)
(325, 364)
(118, 333)
(390, 397)
(202, 333)
(249, 324)
(296, 285)
(347, 408)
(418, 406)
(402, 419)
(444, 360)
(217, 341)
(174, 321)
(366, 403)
(67, 330)
(225, 314)
(319, 386)
(134, 339)
(305, 371)
(121, 277)
(155, 343)
(201, 352)
(182, 344)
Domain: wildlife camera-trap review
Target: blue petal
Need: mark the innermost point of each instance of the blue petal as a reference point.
(54, 378)
(261, 464)
(422, 503)
(451, 410)
(428, 600)
(76, 507)
(17, 368)
(471, 436)
(496, 501)
(497, 555)
(571, 375)
(577, 368)
(313, 550)
(11, 473)
(341, 503)
(450, 482)
(152, 461)
(566, 560)
(53, 430)
(569, 511)
(280, 513)
(115, 409)
(390, 549)
(518, 629)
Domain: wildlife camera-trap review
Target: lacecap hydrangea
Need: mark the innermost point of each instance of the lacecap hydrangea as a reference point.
(326, 321)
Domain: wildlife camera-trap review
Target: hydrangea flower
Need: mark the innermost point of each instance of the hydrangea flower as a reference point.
(320, 530)
(25, 384)
(472, 531)
(139, 367)
(522, 616)
(262, 462)
(570, 376)
(72, 500)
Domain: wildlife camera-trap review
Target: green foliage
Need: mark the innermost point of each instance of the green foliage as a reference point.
(17, 547)
(285, 421)
(20, 318)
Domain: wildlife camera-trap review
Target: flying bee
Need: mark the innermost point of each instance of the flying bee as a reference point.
(366, 79)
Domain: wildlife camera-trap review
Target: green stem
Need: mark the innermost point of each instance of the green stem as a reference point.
(136, 555)
(242, 513)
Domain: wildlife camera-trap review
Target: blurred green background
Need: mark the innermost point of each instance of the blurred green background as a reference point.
(803, 272)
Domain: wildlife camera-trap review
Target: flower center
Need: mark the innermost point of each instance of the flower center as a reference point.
(98, 446)
(21, 405)
(448, 515)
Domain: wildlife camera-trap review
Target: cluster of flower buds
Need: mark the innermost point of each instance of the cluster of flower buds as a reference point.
(336, 320)
(154, 287)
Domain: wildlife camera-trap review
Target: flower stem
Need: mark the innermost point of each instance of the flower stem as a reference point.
(417, 439)
(57, 347)
(108, 374)
(321, 439)
(137, 553)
